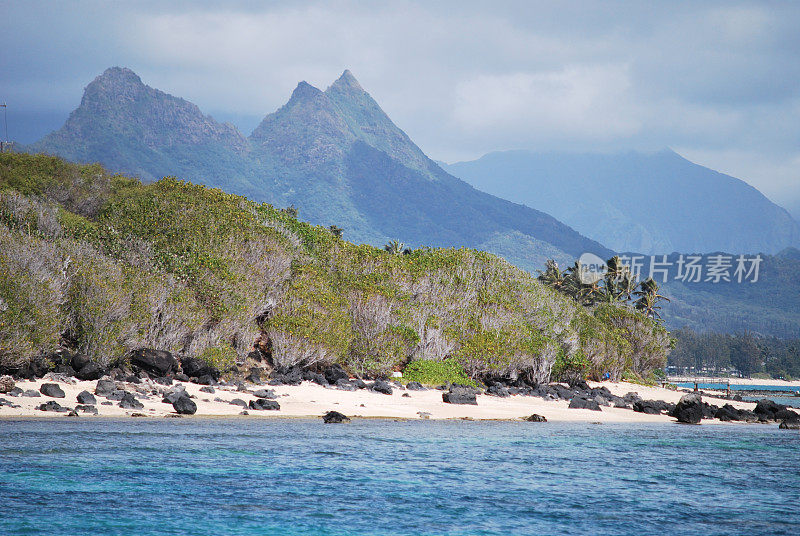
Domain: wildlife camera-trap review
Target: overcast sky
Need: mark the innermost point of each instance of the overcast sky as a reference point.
(719, 82)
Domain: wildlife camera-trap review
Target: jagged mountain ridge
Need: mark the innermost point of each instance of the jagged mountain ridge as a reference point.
(649, 203)
(334, 154)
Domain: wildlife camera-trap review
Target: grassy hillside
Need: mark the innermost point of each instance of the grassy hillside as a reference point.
(102, 264)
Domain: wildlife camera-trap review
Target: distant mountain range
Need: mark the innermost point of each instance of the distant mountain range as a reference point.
(334, 154)
(649, 203)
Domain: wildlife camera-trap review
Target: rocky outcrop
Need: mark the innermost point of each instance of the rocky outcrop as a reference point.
(156, 362)
(380, 386)
(173, 394)
(52, 390)
(584, 403)
(290, 376)
(334, 373)
(264, 404)
(185, 405)
(265, 393)
(414, 386)
(535, 418)
(105, 387)
(195, 367)
(334, 417)
(85, 397)
(651, 407)
(498, 390)
(689, 409)
(768, 410)
(52, 405)
(6, 384)
(461, 394)
(90, 371)
(129, 402)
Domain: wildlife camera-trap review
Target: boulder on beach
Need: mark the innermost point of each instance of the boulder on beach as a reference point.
(535, 418)
(194, 367)
(105, 387)
(52, 405)
(158, 362)
(238, 402)
(52, 390)
(335, 372)
(345, 385)
(207, 389)
(173, 394)
(86, 408)
(414, 386)
(129, 402)
(380, 386)
(6, 384)
(264, 404)
(290, 376)
(790, 424)
(460, 394)
(85, 397)
(316, 377)
(584, 403)
(90, 371)
(689, 409)
(498, 390)
(334, 417)
(265, 393)
(185, 405)
(650, 407)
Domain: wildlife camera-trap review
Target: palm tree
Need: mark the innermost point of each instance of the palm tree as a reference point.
(395, 247)
(337, 231)
(552, 276)
(648, 298)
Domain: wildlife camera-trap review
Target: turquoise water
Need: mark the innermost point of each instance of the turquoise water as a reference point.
(779, 397)
(287, 477)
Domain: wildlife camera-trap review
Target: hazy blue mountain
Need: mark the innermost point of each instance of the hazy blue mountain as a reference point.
(651, 203)
(334, 154)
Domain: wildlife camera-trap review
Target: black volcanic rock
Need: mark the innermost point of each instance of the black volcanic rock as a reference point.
(185, 405)
(158, 362)
(459, 394)
(335, 417)
(52, 390)
(689, 409)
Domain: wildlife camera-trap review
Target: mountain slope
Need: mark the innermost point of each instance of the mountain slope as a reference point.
(334, 154)
(352, 166)
(649, 203)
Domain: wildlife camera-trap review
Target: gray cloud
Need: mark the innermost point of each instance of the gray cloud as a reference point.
(717, 81)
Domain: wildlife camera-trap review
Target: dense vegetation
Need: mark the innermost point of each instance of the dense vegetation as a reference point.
(746, 353)
(102, 263)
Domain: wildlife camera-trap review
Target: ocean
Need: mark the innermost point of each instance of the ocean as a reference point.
(383, 477)
(777, 393)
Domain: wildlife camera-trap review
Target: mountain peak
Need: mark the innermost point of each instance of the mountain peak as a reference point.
(347, 81)
(303, 91)
(121, 74)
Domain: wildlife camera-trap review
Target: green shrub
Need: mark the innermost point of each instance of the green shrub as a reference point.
(430, 372)
(570, 368)
(222, 358)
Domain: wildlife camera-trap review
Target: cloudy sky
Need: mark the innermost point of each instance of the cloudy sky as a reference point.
(719, 82)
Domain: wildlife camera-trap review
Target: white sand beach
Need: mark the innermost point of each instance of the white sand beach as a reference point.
(312, 400)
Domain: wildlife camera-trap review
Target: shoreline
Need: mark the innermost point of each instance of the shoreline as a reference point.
(736, 381)
(311, 401)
